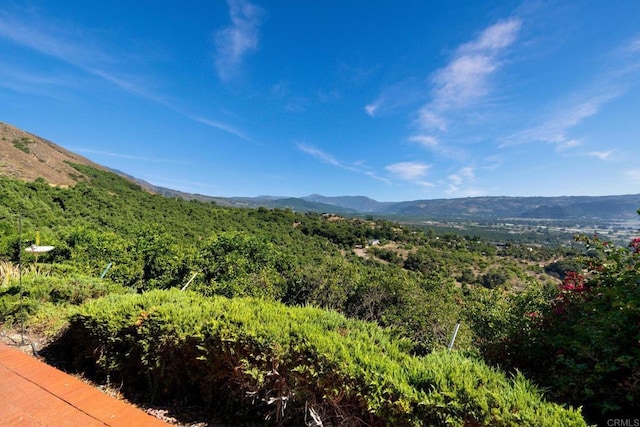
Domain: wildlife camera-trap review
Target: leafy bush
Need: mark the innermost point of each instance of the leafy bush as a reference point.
(502, 323)
(42, 290)
(494, 278)
(255, 359)
(584, 345)
(240, 264)
(560, 268)
(386, 255)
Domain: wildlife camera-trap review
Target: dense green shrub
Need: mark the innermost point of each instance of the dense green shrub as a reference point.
(502, 322)
(560, 268)
(386, 255)
(494, 278)
(40, 291)
(240, 264)
(584, 344)
(255, 360)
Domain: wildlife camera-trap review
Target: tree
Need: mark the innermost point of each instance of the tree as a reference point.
(241, 264)
(494, 278)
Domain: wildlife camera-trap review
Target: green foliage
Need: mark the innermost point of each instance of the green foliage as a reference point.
(154, 242)
(425, 260)
(43, 290)
(502, 322)
(22, 144)
(584, 346)
(386, 255)
(253, 359)
(467, 276)
(494, 278)
(239, 264)
(560, 268)
(348, 233)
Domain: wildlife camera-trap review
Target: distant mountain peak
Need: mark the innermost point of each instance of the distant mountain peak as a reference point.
(357, 203)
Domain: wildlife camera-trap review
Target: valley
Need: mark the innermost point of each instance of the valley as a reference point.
(342, 314)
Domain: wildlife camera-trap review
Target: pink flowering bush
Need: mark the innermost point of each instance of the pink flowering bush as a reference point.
(584, 346)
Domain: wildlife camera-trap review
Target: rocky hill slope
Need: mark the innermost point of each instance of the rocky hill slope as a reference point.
(27, 157)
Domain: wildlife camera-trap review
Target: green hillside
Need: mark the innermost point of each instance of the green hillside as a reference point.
(413, 284)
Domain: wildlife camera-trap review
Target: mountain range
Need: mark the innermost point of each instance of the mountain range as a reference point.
(27, 157)
(621, 207)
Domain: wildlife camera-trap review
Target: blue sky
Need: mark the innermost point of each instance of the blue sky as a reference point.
(392, 100)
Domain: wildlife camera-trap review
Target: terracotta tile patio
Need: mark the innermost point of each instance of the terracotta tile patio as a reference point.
(33, 393)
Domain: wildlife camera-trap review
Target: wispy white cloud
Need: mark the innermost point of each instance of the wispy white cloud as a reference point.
(409, 171)
(602, 155)
(375, 176)
(24, 81)
(619, 74)
(633, 175)
(75, 48)
(402, 94)
(220, 125)
(372, 108)
(433, 144)
(132, 85)
(427, 141)
(127, 156)
(294, 103)
(428, 119)
(465, 80)
(413, 172)
(234, 42)
(459, 84)
(48, 38)
(462, 81)
(459, 178)
(78, 49)
(633, 45)
(492, 162)
(322, 156)
(555, 130)
(567, 144)
(462, 183)
(463, 174)
(356, 167)
(468, 192)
